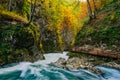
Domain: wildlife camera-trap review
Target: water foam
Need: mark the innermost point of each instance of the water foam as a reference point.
(52, 57)
(41, 71)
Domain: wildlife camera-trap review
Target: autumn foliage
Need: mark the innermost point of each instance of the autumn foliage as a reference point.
(63, 17)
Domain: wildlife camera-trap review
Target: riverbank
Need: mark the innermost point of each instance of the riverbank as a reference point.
(85, 61)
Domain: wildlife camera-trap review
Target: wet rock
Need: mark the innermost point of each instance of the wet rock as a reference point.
(59, 63)
(112, 64)
(75, 63)
(35, 53)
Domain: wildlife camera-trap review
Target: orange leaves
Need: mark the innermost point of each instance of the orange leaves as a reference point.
(63, 19)
(69, 20)
(83, 10)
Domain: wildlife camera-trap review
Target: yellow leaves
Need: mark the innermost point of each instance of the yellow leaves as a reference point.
(63, 19)
(34, 30)
(83, 10)
(112, 16)
(12, 15)
(41, 46)
(69, 22)
(73, 42)
(60, 40)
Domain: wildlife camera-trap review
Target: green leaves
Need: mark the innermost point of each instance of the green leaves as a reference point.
(5, 48)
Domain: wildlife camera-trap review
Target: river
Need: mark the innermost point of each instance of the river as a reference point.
(40, 70)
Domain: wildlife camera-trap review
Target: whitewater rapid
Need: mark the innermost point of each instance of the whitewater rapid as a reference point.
(40, 70)
(52, 57)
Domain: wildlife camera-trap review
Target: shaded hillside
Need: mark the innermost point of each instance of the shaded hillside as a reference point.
(18, 41)
(108, 16)
(104, 31)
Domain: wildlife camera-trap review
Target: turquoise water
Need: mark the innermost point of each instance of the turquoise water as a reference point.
(29, 71)
(40, 70)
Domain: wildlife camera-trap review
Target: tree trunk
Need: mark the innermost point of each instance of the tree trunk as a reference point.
(89, 10)
(96, 52)
(32, 11)
(10, 4)
(95, 9)
(30, 17)
(15, 4)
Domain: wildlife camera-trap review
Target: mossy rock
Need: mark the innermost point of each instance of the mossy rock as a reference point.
(16, 42)
(23, 39)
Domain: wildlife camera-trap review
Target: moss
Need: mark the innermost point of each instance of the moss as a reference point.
(34, 30)
(23, 8)
(70, 54)
(16, 40)
(6, 15)
(108, 35)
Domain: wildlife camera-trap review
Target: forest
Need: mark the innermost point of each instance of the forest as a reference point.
(29, 29)
(30, 26)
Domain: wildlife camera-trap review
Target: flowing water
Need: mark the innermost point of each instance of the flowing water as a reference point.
(40, 70)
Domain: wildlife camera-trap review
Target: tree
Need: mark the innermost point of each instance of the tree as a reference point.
(32, 10)
(89, 10)
(10, 5)
(95, 9)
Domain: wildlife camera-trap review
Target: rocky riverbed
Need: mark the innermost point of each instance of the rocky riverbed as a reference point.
(84, 61)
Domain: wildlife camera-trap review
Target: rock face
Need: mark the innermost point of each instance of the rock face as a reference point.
(86, 62)
(36, 53)
(18, 43)
(112, 64)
